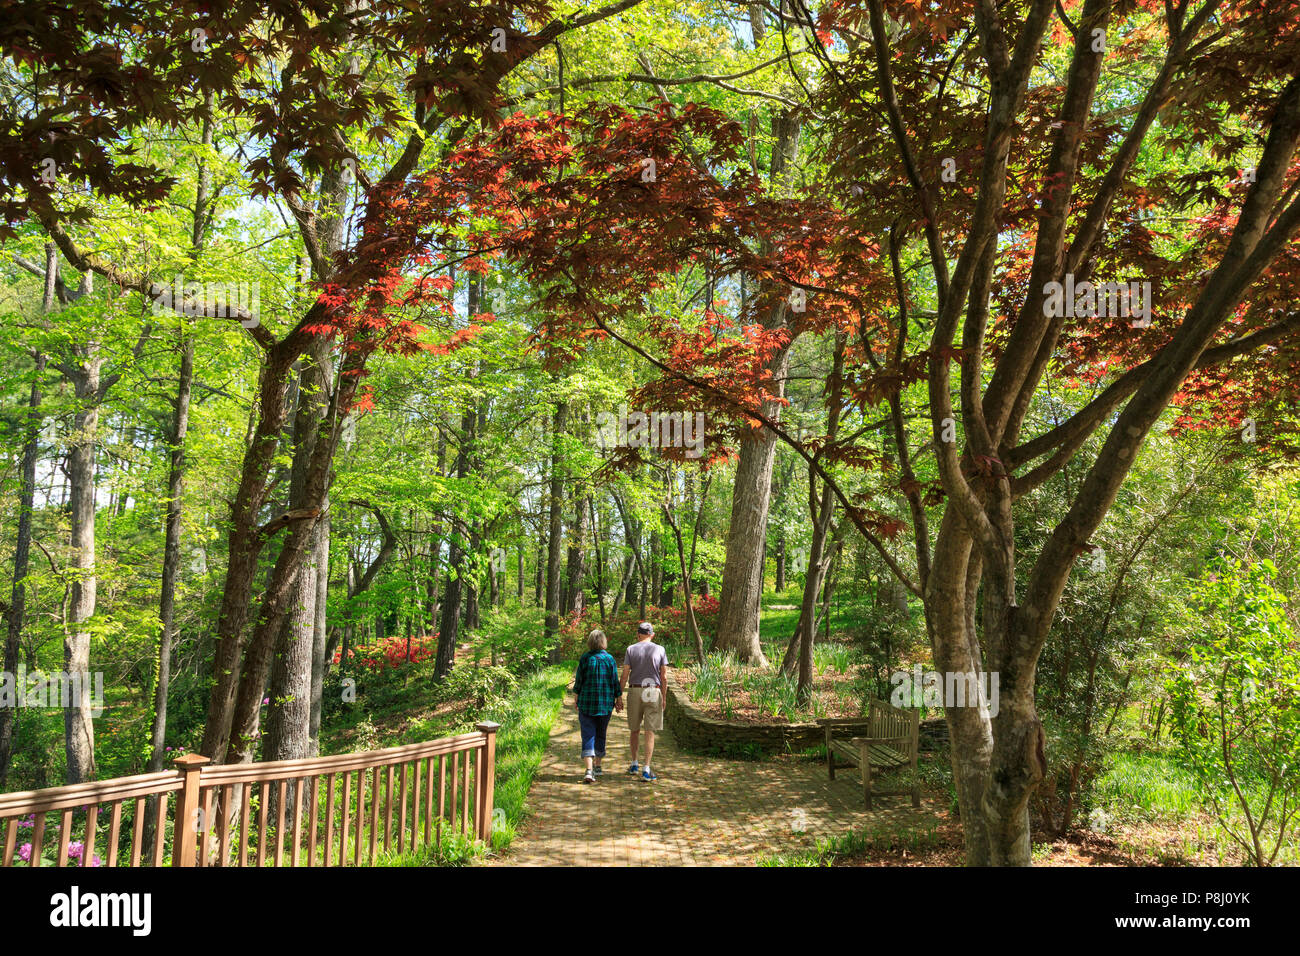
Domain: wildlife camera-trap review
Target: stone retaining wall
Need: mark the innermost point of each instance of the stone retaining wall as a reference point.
(695, 730)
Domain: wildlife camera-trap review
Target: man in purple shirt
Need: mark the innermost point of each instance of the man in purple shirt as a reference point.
(645, 674)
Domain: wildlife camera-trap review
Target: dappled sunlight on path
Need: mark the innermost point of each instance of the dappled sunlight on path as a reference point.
(701, 811)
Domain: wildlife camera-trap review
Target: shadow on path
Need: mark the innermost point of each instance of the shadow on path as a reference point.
(701, 811)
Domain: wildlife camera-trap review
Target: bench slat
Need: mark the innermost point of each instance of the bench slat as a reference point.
(881, 755)
(886, 757)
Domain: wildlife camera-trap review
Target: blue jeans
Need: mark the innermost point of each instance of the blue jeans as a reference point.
(593, 733)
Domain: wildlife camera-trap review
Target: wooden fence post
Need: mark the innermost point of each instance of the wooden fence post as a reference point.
(183, 842)
(486, 779)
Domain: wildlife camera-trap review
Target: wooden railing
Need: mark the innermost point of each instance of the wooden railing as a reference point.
(220, 815)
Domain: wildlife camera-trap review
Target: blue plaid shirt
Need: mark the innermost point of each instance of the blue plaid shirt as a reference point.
(596, 683)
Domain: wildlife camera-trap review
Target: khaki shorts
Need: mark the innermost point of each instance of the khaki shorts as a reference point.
(643, 714)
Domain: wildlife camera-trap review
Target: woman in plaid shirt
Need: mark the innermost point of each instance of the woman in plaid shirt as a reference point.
(599, 693)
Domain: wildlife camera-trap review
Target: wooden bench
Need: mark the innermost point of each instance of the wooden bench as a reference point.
(890, 743)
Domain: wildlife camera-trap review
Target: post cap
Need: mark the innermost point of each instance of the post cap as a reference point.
(487, 726)
(191, 761)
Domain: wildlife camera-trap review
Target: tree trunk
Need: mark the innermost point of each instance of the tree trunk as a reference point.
(288, 713)
(78, 726)
(320, 652)
(244, 545)
(576, 565)
(600, 560)
(692, 627)
(636, 587)
(955, 647)
(171, 552)
(22, 551)
(494, 584)
(798, 654)
(306, 506)
(519, 577)
(819, 558)
(471, 588)
(539, 572)
(453, 591)
(742, 574)
(234, 705)
(624, 585)
(656, 566)
(554, 539)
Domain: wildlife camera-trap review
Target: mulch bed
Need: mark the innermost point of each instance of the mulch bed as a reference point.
(1078, 848)
(830, 688)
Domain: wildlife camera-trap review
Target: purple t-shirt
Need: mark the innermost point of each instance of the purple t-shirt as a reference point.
(644, 658)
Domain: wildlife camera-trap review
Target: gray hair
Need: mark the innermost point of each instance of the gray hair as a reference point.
(596, 640)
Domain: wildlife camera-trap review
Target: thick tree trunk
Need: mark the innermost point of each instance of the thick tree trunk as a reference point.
(432, 594)
(955, 648)
(742, 574)
(307, 503)
(78, 726)
(668, 579)
(235, 699)
(288, 714)
(244, 545)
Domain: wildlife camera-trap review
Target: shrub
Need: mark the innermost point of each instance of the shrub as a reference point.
(514, 638)
(1236, 706)
(482, 687)
(392, 652)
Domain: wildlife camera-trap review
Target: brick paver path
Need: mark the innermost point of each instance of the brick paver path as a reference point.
(701, 811)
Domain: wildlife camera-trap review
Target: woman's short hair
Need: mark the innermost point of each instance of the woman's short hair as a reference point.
(596, 640)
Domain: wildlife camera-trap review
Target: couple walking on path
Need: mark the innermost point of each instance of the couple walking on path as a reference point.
(598, 687)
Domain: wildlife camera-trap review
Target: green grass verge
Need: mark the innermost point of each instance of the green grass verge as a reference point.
(882, 836)
(526, 722)
(1153, 783)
